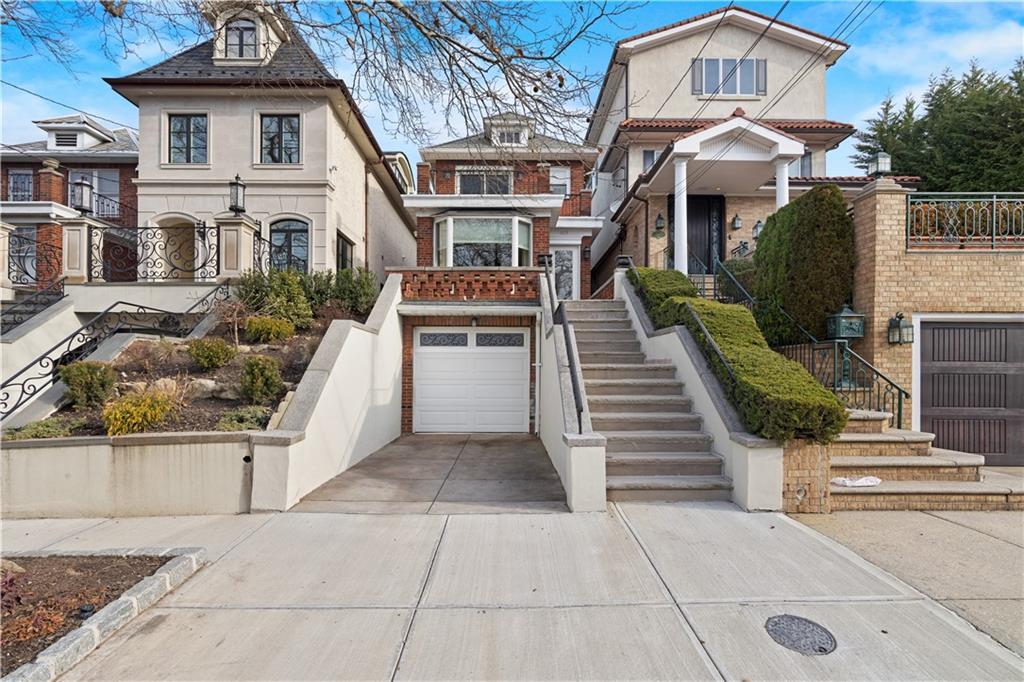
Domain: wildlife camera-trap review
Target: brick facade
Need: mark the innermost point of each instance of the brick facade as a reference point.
(409, 325)
(805, 478)
(750, 209)
(46, 190)
(520, 285)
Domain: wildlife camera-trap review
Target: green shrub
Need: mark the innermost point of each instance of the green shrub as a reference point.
(89, 383)
(357, 289)
(137, 412)
(253, 289)
(318, 287)
(244, 418)
(775, 397)
(261, 329)
(211, 353)
(743, 271)
(804, 263)
(655, 286)
(51, 427)
(286, 299)
(261, 380)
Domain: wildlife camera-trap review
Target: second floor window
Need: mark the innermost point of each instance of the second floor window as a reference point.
(801, 168)
(485, 182)
(650, 155)
(343, 253)
(729, 77)
(187, 138)
(560, 177)
(19, 185)
(240, 39)
(279, 138)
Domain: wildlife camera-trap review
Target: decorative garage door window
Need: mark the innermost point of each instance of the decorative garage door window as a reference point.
(506, 340)
(443, 339)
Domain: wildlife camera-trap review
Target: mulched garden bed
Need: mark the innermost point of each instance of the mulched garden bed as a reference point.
(43, 604)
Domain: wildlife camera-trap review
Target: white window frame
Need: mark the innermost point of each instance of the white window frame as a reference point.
(654, 159)
(485, 170)
(723, 72)
(449, 249)
(496, 135)
(567, 171)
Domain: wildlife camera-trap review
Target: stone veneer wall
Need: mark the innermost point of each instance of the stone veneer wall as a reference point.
(750, 209)
(806, 474)
(889, 279)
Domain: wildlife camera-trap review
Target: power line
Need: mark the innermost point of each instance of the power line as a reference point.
(67, 106)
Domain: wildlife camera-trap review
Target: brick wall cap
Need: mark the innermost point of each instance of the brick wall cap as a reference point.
(456, 270)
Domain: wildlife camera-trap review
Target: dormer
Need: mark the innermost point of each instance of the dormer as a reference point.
(246, 34)
(509, 130)
(71, 133)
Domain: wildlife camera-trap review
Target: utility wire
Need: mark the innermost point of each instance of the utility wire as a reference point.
(67, 106)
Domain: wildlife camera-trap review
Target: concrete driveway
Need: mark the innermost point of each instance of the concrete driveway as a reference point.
(646, 591)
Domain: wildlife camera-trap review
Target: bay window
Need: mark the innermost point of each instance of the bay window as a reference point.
(483, 241)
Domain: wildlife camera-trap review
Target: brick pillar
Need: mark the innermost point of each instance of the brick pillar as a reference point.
(423, 178)
(542, 178)
(51, 186)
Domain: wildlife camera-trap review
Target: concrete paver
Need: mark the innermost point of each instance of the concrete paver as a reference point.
(706, 552)
(24, 535)
(535, 490)
(353, 488)
(322, 560)
(251, 644)
(588, 643)
(361, 507)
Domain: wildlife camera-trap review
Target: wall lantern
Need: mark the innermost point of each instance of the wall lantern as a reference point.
(737, 222)
(659, 227)
(900, 330)
(758, 226)
(236, 198)
(880, 165)
(585, 253)
(81, 196)
(845, 324)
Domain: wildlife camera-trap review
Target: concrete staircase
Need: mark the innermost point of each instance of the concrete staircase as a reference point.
(656, 449)
(915, 475)
(27, 304)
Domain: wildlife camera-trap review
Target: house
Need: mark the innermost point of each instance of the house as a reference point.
(254, 102)
(487, 207)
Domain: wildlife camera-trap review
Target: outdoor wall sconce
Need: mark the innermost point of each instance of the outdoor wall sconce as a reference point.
(846, 324)
(659, 227)
(758, 226)
(901, 330)
(585, 252)
(880, 165)
(81, 196)
(737, 222)
(236, 189)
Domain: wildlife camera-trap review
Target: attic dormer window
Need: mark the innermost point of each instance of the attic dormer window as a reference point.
(65, 139)
(509, 137)
(240, 39)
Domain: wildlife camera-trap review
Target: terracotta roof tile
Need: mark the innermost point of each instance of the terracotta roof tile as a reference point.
(685, 124)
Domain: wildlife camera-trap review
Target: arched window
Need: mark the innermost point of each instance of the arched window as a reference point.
(240, 39)
(289, 245)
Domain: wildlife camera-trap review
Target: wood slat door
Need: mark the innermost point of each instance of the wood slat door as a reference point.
(972, 388)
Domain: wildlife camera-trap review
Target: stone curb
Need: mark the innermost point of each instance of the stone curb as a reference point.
(73, 647)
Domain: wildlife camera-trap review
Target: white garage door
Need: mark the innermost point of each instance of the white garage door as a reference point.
(471, 380)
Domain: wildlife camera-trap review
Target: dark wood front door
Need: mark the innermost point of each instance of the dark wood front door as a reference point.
(972, 388)
(704, 222)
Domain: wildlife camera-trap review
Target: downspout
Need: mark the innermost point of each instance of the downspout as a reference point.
(366, 215)
(647, 233)
(539, 329)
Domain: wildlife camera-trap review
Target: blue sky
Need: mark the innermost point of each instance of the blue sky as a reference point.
(894, 51)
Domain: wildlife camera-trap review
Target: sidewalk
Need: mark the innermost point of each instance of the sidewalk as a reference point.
(646, 591)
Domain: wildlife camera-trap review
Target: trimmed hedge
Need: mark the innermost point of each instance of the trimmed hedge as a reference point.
(744, 271)
(775, 397)
(656, 286)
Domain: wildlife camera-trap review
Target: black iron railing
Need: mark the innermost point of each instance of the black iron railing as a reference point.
(32, 263)
(965, 220)
(559, 318)
(134, 254)
(260, 253)
(11, 315)
(119, 317)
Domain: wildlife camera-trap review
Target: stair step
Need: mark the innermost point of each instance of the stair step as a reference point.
(605, 370)
(638, 403)
(592, 304)
(958, 466)
(645, 421)
(893, 442)
(604, 335)
(611, 357)
(601, 325)
(669, 488)
(663, 464)
(597, 315)
(633, 387)
(928, 495)
(657, 441)
(628, 346)
(867, 421)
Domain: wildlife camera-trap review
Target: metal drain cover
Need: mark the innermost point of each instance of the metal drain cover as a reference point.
(801, 635)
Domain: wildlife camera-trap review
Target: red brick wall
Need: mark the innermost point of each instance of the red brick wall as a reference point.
(457, 284)
(409, 325)
(585, 268)
(606, 292)
(127, 194)
(48, 270)
(425, 239)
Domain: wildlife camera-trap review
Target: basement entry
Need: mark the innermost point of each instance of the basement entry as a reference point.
(468, 380)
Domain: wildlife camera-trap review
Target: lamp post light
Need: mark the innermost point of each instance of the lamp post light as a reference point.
(81, 196)
(901, 330)
(236, 203)
(880, 165)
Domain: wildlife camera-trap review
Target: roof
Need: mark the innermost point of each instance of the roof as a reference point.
(538, 142)
(687, 125)
(849, 180)
(125, 143)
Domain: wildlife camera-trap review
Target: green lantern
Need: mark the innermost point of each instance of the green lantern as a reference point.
(846, 324)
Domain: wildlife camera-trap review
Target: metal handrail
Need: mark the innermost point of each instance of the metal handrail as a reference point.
(142, 253)
(86, 338)
(12, 312)
(558, 317)
(965, 221)
(27, 256)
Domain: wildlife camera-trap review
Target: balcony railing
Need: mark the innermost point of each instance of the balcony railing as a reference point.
(965, 221)
(135, 254)
(31, 263)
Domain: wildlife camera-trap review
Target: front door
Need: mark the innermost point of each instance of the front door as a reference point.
(704, 218)
(567, 278)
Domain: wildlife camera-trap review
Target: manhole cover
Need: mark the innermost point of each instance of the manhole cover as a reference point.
(801, 635)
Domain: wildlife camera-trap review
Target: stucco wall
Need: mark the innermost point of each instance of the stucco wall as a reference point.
(391, 243)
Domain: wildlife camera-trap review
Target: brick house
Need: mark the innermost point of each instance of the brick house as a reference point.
(487, 207)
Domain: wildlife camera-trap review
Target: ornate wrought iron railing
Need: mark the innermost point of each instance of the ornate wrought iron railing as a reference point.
(559, 318)
(741, 250)
(134, 254)
(260, 254)
(26, 308)
(32, 263)
(121, 316)
(965, 221)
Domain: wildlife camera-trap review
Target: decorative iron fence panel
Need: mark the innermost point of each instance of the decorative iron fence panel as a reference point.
(133, 254)
(32, 263)
(965, 221)
(260, 254)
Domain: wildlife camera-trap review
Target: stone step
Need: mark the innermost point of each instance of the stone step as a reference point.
(631, 346)
(647, 370)
(669, 488)
(601, 325)
(611, 357)
(929, 495)
(663, 464)
(645, 421)
(604, 335)
(638, 403)
(597, 315)
(892, 443)
(867, 421)
(657, 441)
(633, 387)
(940, 465)
(594, 304)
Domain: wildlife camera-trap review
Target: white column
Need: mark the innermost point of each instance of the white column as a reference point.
(449, 252)
(6, 287)
(781, 183)
(679, 219)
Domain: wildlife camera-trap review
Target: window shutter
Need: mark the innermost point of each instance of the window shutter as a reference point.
(697, 76)
(762, 76)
